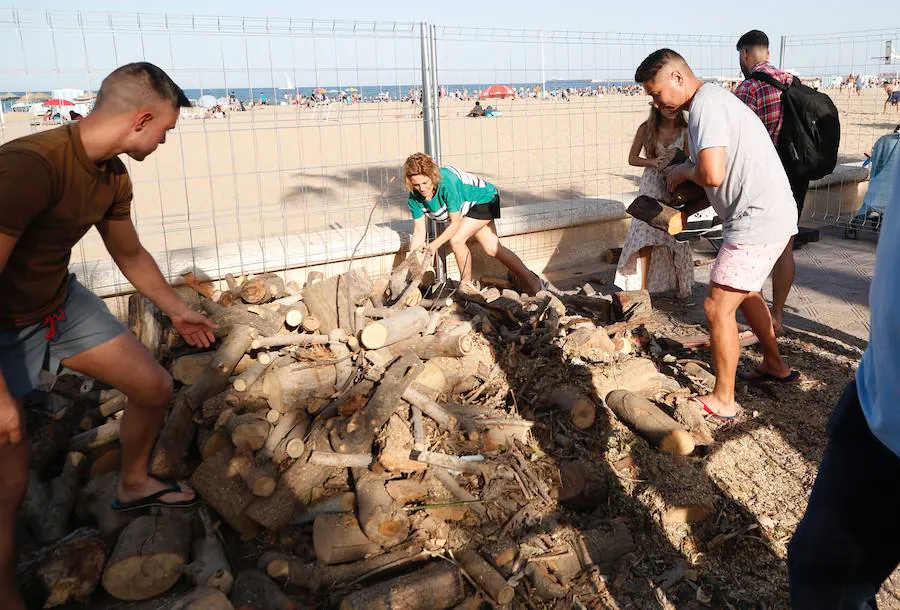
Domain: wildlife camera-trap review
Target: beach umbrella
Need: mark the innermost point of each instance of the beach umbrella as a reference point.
(206, 101)
(333, 91)
(55, 102)
(8, 96)
(498, 91)
(352, 89)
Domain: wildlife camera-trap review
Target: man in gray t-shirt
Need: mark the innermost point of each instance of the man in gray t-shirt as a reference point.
(754, 199)
(734, 160)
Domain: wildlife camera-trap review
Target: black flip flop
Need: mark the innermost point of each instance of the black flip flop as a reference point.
(758, 376)
(172, 486)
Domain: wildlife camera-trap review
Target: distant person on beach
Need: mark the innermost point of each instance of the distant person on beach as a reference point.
(470, 205)
(476, 111)
(765, 100)
(893, 95)
(848, 542)
(732, 158)
(55, 186)
(651, 259)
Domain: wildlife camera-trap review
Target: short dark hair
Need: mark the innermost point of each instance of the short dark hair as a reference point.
(753, 38)
(654, 62)
(131, 84)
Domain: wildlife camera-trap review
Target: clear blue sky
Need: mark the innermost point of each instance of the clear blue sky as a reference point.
(39, 59)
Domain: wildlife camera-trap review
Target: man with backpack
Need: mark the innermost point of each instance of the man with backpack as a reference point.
(806, 154)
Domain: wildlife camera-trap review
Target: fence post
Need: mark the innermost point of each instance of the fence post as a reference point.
(781, 54)
(429, 120)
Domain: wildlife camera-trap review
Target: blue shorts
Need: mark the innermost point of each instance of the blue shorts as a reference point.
(81, 323)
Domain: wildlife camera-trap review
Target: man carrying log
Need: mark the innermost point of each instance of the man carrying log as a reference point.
(55, 185)
(734, 160)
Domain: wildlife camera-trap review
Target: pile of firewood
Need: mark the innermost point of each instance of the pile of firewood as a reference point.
(377, 418)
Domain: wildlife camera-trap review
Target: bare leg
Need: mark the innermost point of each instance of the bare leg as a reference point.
(127, 365)
(721, 305)
(13, 483)
(467, 228)
(490, 243)
(757, 315)
(782, 279)
(644, 261)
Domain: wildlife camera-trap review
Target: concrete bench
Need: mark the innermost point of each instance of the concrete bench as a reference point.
(544, 235)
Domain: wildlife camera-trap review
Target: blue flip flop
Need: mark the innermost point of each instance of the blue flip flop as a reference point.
(154, 499)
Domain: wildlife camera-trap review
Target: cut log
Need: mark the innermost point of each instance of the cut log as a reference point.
(286, 422)
(254, 590)
(402, 325)
(692, 418)
(576, 490)
(148, 557)
(97, 417)
(292, 386)
(637, 375)
(580, 409)
(63, 493)
(343, 366)
(260, 478)
(290, 339)
(210, 567)
(545, 586)
(706, 379)
(314, 277)
(382, 519)
(486, 576)
(253, 373)
(341, 503)
(249, 430)
(340, 460)
(652, 211)
(446, 461)
(311, 323)
(262, 288)
(295, 315)
(266, 323)
(210, 442)
(437, 586)
(439, 344)
(146, 322)
(170, 455)
(337, 538)
(451, 376)
(334, 300)
(650, 422)
(203, 288)
(583, 341)
(634, 303)
(292, 446)
(98, 437)
(294, 489)
(66, 571)
(95, 504)
(228, 495)
(317, 577)
(416, 397)
(187, 369)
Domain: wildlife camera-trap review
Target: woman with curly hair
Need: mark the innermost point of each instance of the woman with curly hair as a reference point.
(470, 205)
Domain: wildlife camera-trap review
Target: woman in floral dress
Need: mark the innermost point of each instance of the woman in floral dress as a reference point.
(651, 259)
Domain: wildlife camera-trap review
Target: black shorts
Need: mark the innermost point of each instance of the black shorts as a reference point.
(485, 211)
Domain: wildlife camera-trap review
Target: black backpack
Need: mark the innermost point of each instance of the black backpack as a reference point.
(810, 130)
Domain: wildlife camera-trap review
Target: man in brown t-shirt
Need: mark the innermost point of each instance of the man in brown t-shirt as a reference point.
(54, 186)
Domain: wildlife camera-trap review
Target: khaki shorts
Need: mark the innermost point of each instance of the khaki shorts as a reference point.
(81, 323)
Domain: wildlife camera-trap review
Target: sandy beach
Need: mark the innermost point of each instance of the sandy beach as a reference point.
(287, 170)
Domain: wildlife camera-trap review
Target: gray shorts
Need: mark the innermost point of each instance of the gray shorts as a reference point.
(81, 323)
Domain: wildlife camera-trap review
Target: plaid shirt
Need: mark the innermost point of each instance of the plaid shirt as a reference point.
(763, 98)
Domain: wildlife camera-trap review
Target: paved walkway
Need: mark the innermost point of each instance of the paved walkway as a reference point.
(830, 295)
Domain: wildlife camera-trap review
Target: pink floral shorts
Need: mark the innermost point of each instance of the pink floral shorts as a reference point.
(745, 267)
